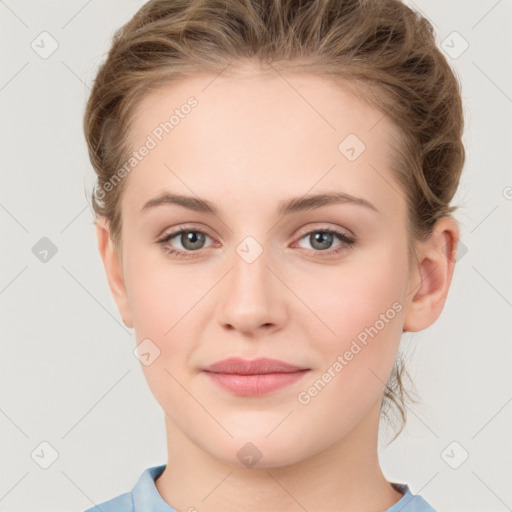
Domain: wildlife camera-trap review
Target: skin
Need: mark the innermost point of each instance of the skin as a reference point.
(251, 142)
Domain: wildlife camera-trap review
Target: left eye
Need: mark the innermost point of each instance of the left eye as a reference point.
(322, 239)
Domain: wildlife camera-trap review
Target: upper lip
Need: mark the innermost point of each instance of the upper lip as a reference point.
(253, 366)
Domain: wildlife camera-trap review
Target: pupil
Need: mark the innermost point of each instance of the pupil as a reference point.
(193, 238)
(323, 238)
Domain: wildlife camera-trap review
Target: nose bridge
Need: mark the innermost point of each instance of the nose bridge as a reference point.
(250, 298)
(250, 262)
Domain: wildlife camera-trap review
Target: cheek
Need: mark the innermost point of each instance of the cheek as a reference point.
(160, 293)
(343, 301)
(354, 323)
(165, 302)
(356, 341)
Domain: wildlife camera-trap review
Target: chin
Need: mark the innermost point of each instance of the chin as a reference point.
(258, 451)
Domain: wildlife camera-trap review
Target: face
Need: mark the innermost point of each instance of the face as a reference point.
(322, 285)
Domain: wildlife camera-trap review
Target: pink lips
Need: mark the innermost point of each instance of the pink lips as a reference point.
(253, 377)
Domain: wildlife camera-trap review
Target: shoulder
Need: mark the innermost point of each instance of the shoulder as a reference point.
(121, 503)
(141, 498)
(410, 502)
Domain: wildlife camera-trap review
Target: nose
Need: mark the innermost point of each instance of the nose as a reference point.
(252, 298)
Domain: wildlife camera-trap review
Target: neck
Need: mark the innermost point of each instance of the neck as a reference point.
(345, 477)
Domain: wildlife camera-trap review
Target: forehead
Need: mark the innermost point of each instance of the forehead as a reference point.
(260, 134)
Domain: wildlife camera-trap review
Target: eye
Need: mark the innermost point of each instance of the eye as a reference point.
(322, 239)
(191, 240)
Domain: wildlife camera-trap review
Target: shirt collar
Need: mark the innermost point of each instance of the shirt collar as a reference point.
(146, 497)
(409, 502)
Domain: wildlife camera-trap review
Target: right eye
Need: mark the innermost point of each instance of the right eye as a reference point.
(191, 240)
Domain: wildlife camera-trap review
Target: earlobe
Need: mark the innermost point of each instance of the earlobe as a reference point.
(432, 275)
(113, 269)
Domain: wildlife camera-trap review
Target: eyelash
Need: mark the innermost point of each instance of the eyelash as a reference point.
(347, 242)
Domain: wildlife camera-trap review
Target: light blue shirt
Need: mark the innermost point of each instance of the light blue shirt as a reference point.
(144, 497)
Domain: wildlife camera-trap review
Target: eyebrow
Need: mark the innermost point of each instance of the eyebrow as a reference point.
(286, 207)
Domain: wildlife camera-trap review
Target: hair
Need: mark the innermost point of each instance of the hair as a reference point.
(381, 50)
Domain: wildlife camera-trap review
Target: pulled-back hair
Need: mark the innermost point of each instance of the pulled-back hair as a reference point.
(381, 50)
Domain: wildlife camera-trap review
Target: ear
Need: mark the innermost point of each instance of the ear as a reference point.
(431, 275)
(113, 268)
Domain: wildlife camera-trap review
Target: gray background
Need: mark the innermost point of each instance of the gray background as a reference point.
(68, 374)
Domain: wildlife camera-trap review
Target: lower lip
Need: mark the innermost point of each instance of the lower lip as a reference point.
(255, 385)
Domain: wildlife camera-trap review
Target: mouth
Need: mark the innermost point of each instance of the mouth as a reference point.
(254, 377)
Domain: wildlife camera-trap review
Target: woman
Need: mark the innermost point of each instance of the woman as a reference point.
(273, 212)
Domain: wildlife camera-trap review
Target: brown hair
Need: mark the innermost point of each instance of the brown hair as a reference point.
(382, 50)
